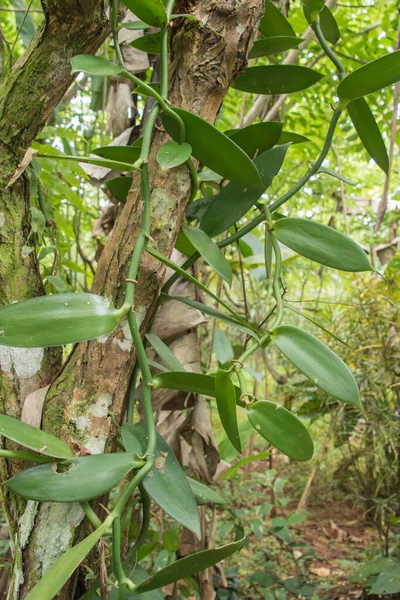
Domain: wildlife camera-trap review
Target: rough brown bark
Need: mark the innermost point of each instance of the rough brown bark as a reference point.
(88, 398)
(28, 95)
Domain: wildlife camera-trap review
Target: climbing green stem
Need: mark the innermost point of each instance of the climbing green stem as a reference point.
(116, 558)
(328, 51)
(91, 515)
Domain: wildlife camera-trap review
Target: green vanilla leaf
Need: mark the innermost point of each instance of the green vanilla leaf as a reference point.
(150, 11)
(171, 154)
(312, 8)
(33, 438)
(226, 403)
(214, 149)
(167, 483)
(209, 250)
(335, 175)
(164, 353)
(368, 132)
(282, 429)
(317, 362)
(203, 494)
(183, 245)
(59, 573)
(94, 65)
(328, 25)
(371, 77)
(321, 243)
(223, 347)
(274, 45)
(276, 79)
(119, 187)
(75, 479)
(124, 154)
(166, 261)
(189, 566)
(150, 43)
(234, 200)
(99, 162)
(215, 314)
(256, 139)
(245, 461)
(58, 283)
(274, 23)
(134, 25)
(57, 320)
(190, 382)
(288, 137)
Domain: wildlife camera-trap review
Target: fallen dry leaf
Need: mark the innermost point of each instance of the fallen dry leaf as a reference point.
(321, 571)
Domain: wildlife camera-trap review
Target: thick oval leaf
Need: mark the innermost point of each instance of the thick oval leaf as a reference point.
(203, 494)
(59, 573)
(214, 149)
(209, 250)
(234, 201)
(134, 25)
(119, 187)
(226, 403)
(321, 243)
(33, 438)
(223, 347)
(274, 23)
(189, 565)
(276, 79)
(256, 139)
(57, 320)
(288, 137)
(74, 480)
(369, 78)
(368, 132)
(318, 362)
(329, 26)
(215, 314)
(164, 352)
(312, 8)
(124, 154)
(150, 43)
(94, 65)
(190, 382)
(281, 429)
(150, 11)
(183, 245)
(172, 154)
(273, 45)
(167, 483)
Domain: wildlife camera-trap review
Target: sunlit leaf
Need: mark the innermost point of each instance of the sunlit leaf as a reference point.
(57, 320)
(282, 429)
(371, 77)
(317, 362)
(171, 154)
(94, 65)
(33, 438)
(321, 243)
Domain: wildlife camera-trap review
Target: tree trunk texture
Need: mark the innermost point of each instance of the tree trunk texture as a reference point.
(28, 95)
(86, 402)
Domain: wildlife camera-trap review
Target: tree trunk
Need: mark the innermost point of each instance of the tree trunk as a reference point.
(88, 398)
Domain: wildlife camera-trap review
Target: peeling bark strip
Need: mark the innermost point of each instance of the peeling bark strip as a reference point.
(89, 395)
(28, 95)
